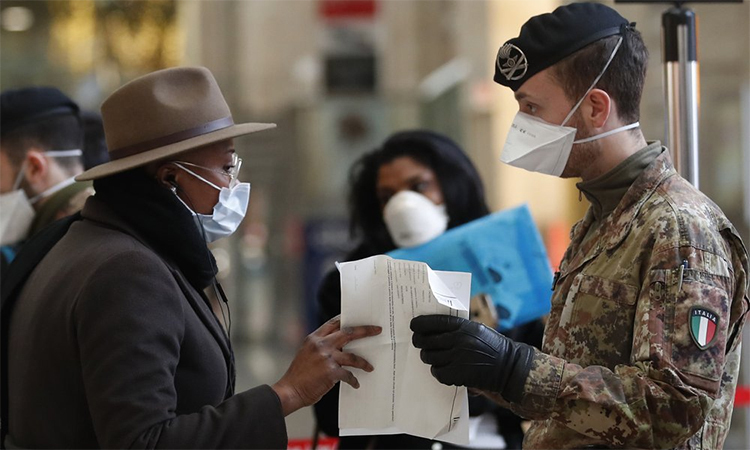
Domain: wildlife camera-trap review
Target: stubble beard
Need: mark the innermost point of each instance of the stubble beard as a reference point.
(581, 155)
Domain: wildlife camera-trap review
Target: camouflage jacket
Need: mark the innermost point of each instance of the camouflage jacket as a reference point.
(642, 345)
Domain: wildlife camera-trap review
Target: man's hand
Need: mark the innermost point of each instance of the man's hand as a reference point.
(466, 353)
(318, 365)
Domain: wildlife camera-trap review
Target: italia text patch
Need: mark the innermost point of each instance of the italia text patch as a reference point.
(703, 323)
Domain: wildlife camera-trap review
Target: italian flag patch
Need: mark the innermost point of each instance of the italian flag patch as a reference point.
(703, 323)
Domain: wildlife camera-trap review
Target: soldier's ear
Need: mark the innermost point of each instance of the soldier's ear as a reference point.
(596, 109)
(36, 167)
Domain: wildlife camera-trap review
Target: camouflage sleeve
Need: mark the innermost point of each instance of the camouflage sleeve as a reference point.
(688, 318)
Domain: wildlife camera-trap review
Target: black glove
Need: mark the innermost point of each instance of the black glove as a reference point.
(466, 353)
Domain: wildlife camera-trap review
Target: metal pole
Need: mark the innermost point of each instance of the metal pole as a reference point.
(681, 88)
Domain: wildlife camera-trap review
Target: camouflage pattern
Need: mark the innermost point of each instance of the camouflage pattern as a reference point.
(619, 367)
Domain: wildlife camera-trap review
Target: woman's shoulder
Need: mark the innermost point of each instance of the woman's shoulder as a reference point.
(106, 241)
(93, 251)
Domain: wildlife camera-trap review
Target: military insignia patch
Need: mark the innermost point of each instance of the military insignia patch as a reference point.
(703, 323)
(511, 62)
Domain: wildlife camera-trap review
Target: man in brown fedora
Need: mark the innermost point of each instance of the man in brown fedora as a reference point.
(112, 342)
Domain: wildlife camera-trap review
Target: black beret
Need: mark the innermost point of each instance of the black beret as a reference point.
(547, 38)
(29, 105)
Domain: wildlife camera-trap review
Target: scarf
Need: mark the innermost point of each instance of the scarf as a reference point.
(162, 220)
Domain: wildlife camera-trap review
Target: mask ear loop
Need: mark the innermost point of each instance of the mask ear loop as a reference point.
(196, 175)
(608, 133)
(64, 153)
(20, 176)
(596, 80)
(53, 190)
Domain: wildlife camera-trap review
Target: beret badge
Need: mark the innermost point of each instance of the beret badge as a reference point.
(511, 62)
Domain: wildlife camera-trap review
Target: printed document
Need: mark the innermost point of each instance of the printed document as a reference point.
(400, 395)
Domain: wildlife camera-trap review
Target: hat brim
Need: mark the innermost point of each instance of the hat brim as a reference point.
(159, 153)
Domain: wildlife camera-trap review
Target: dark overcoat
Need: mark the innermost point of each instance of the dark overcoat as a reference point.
(110, 346)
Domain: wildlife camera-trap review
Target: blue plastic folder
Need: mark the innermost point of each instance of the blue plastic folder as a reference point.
(506, 258)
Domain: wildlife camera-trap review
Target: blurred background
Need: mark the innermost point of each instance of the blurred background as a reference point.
(338, 76)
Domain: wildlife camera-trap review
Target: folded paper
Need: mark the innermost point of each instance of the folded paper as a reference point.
(400, 395)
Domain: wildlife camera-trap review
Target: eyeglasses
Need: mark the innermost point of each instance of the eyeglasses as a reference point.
(232, 172)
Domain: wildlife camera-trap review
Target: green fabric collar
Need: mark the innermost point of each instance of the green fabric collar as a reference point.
(57, 201)
(606, 191)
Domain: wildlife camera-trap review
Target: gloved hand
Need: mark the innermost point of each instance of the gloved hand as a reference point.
(466, 353)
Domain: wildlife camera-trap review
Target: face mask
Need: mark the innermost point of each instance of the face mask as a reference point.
(228, 212)
(17, 212)
(543, 147)
(413, 219)
(15, 217)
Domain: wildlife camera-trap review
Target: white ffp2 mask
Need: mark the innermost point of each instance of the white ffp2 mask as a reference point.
(543, 147)
(16, 215)
(413, 219)
(538, 146)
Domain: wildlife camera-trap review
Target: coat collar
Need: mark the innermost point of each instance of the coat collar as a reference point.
(98, 211)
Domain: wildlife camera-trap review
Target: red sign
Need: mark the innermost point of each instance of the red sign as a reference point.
(347, 9)
(742, 397)
(306, 444)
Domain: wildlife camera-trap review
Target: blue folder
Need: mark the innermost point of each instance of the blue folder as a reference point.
(506, 258)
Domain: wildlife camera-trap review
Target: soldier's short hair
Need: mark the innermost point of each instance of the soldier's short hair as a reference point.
(52, 133)
(623, 80)
(41, 117)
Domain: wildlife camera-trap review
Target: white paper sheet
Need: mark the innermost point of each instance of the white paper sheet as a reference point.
(400, 395)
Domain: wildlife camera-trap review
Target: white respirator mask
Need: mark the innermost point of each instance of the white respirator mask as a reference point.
(16, 215)
(413, 219)
(544, 147)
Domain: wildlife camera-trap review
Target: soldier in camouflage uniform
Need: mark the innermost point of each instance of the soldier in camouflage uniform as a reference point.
(642, 346)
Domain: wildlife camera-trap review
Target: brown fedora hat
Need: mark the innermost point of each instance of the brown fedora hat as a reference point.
(162, 114)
